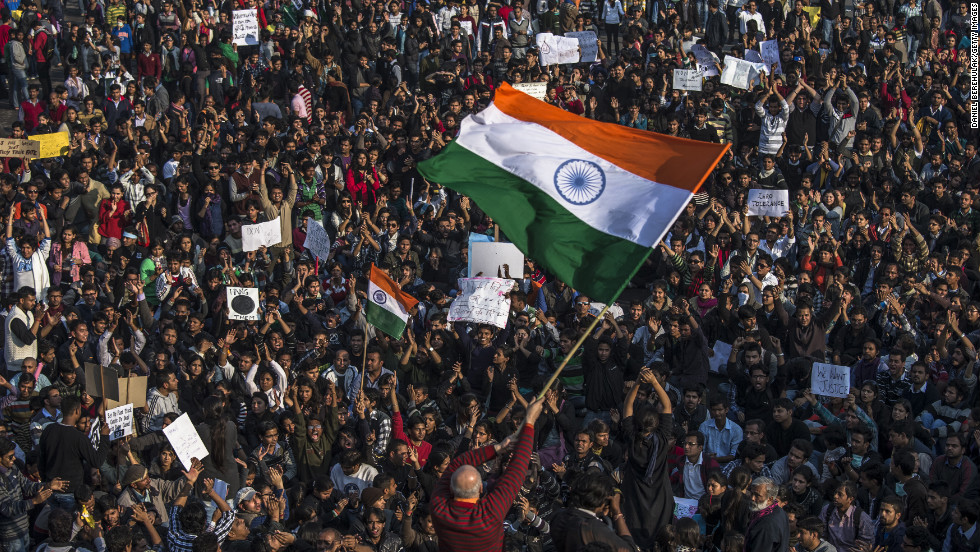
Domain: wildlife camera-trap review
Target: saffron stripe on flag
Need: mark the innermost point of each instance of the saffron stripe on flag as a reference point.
(678, 162)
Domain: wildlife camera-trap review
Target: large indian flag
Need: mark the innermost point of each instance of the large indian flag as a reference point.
(587, 200)
(387, 306)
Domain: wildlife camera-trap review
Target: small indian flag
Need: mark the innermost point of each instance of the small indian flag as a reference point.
(387, 306)
(585, 199)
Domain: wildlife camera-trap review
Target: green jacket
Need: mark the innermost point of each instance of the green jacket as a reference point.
(313, 458)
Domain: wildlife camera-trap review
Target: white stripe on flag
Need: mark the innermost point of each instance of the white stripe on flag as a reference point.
(390, 303)
(630, 207)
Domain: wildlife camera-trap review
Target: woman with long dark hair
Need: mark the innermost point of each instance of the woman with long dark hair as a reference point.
(868, 399)
(648, 501)
(435, 466)
(709, 505)
(498, 377)
(309, 399)
(67, 258)
(735, 504)
(363, 182)
(220, 435)
(195, 387)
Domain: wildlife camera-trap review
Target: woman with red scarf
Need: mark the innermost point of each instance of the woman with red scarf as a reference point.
(363, 182)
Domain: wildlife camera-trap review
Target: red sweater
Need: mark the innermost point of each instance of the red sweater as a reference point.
(31, 112)
(364, 192)
(422, 450)
(465, 526)
(148, 66)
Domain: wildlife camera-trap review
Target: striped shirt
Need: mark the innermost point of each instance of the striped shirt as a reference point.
(6, 273)
(465, 526)
(308, 102)
(180, 541)
(114, 12)
(16, 492)
(159, 405)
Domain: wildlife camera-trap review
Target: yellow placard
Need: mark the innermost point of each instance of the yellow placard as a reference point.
(54, 144)
(814, 13)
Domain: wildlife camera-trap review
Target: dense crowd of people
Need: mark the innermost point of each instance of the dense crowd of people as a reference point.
(324, 434)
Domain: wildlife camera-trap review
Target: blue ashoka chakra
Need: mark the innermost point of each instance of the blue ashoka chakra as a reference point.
(580, 182)
(380, 297)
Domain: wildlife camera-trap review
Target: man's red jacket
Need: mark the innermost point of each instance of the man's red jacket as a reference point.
(478, 527)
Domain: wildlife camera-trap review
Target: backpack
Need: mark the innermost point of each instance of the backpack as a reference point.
(48, 48)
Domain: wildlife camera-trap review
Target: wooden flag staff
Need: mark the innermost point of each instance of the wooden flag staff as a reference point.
(571, 353)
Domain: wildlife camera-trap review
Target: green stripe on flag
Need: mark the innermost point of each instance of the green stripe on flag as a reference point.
(384, 320)
(591, 261)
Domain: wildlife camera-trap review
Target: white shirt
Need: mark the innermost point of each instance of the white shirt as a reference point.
(767, 280)
(744, 17)
(780, 248)
(693, 486)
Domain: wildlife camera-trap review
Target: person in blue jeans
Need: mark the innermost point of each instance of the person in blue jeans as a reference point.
(16, 57)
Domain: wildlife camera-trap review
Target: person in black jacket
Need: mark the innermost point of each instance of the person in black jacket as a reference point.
(716, 28)
(768, 529)
(603, 364)
(574, 527)
(61, 446)
(685, 351)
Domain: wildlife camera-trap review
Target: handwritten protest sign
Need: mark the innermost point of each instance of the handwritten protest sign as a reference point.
(706, 60)
(556, 49)
(185, 440)
(245, 27)
(490, 258)
(54, 144)
(255, 236)
(740, 73)
(685, 507)
(534, 89)
(588, 42)
(120, 421)
(687, 79)
(768, 203)
(483, 301)
(830, 380)
(719, 356)
(736, 72)
(15, 147)
(243, 303)
(317, 239)
(770, 54)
